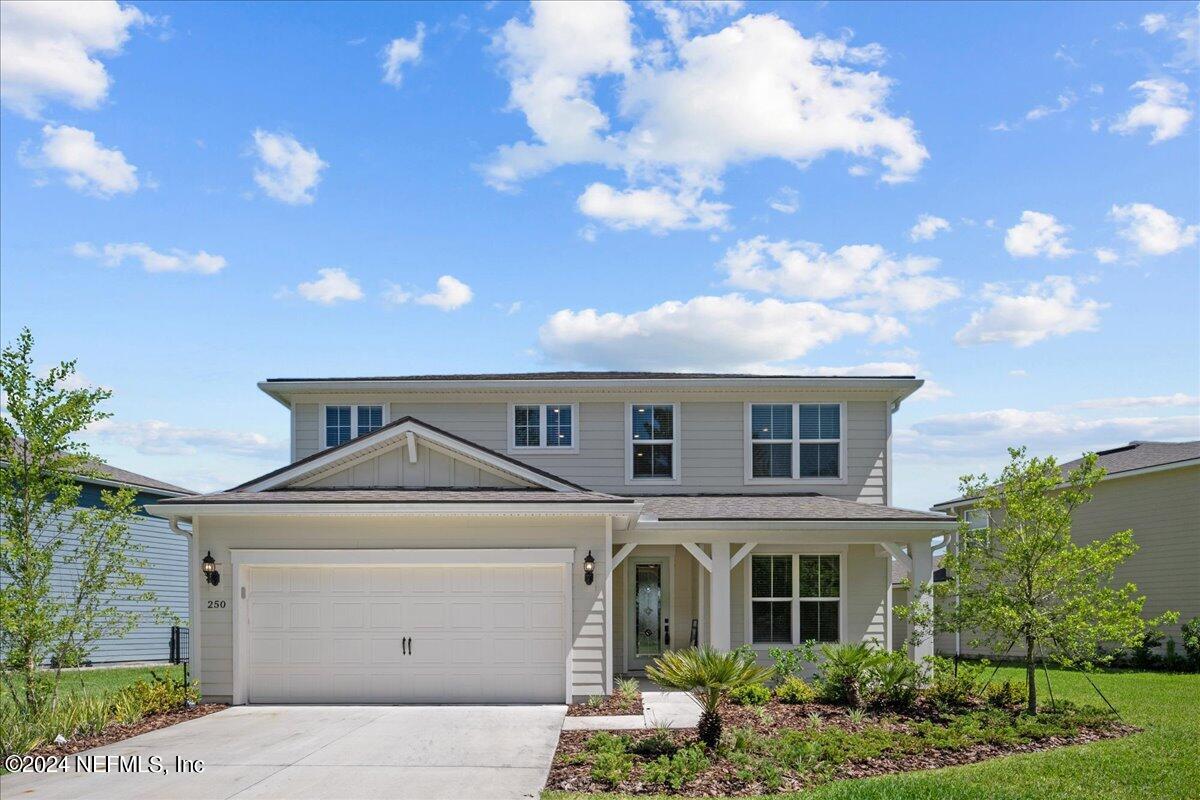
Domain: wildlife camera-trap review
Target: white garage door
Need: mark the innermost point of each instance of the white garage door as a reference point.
(407, 634)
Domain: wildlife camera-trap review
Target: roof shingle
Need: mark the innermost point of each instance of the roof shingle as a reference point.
(795, 507)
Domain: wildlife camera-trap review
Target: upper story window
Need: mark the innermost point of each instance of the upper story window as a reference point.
(795, 598)
(343, 423)
(794, 441)
(978, 521)
(543, 425)
(653, 443)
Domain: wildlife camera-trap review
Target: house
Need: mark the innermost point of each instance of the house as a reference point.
(525, 537)
(166, 573)
(1153, 489)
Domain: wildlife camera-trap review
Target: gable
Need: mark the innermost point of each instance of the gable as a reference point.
(393, 468)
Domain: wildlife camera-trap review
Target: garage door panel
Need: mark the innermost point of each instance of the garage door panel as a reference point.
(304, 616)
(303, 579)
(466, 616)
(387, 615)
(348, 615)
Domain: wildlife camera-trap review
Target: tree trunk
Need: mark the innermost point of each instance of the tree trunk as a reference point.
(1030, 676)
(708, 730)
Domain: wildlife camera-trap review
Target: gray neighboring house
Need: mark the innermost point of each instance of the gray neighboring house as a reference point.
(1152, 488)
(166, 572)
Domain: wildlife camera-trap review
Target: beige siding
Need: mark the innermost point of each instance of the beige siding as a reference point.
(431, 469)
(711, 434)
(220, 534)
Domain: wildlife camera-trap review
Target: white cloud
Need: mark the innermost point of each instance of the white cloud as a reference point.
(1064, 101)
(689, 114)
(509, 308)
(1164, 108)
(49, 51)
(155, 437)
(332, 286)
(451, 294)
(1050, 307)
(400, 52)
(288, 171)
(175, 260)
(681, 18)
(1105, 255)
(986, 431)
(588, 233)
(1037, 234)
(785, 201)
(1152, 230)
(655, 209)
(396, 295)
(860, 275)
(710, 332)
(927, 227)
(88, 166)
(1146, 401)
(1153, 23)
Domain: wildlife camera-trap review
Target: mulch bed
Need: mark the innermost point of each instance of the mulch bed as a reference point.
(612, 705)
(116, 731)
(721, 778)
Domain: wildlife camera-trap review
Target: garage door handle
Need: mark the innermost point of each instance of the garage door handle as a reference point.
(410, 645)
(404, 645)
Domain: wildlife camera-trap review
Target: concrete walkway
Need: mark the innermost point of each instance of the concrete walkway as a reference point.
(659, 709)
(327, 753)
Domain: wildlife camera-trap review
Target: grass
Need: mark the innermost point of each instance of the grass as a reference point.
(1161, 763)
(95, 682)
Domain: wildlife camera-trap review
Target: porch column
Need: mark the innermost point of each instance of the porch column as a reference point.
(921, 553)
(718, 607)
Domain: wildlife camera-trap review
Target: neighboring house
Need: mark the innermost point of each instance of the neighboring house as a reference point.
(1153, 489)
(900, 592)
(524, 537)
(165, 574)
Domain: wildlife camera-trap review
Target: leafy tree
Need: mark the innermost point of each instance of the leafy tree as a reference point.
(40, 464)
(710, 675)
(1024, 583)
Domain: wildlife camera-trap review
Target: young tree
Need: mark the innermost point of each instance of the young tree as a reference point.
(1024, 583)
(42, 526)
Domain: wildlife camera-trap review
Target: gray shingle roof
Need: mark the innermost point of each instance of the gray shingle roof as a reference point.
(116, 474)
(581, 375)
(398, 495)
(1139, 455)
(797, 507)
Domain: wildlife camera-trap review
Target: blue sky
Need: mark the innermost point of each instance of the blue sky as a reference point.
(197, 196)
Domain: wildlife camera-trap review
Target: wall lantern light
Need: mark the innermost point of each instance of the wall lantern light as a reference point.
(589, 568)
(209, 567)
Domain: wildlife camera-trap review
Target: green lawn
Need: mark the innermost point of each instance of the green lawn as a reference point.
(1160, 763)
(97, 681)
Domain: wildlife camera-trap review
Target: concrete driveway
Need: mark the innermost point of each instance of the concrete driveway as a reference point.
(326, 753)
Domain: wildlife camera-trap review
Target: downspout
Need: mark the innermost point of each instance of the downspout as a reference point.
(192, 595)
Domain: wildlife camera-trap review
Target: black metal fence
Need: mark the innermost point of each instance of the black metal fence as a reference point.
(180, 648)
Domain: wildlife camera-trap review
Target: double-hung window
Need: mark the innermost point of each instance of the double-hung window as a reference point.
(543, 425)
(978, 521)
(794, 441)
(653, 438)
(800, 589)
(343, 423)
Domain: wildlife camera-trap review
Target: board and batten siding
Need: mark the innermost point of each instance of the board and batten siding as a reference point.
(711, 440)
(220, 533)
(393, 468)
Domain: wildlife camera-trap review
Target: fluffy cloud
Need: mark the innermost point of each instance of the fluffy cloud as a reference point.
(711, 332)
(1152, 230)
(1147, 401)
(785, 201)
(1183, 31)
(1153, 23)
(1037, 234)
(690, 115)
(288, 171)
(49, 51)
(400, 52)
(1164, 108)
(656, 208)
(927, 227)
(332, 286)
(1105, 255)
(155, 437)
(88, 166)
(1065, 100)
(680, 18)
(860, 275)
(983, 430)
(1051, 307)
(175, 260)
(451, 294)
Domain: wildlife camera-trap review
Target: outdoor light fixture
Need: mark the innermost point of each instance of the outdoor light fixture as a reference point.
(589, 568)
(208, 565)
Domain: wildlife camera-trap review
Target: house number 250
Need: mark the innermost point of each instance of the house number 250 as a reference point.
(216, 603)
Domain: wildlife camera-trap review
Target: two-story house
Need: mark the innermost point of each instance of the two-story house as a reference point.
(524, 537)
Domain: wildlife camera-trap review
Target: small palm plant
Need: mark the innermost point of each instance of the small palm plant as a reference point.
(709, 675)
(846, 671)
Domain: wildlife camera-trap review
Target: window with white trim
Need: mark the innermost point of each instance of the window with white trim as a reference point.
(652, 434)
(791, 441)
(978, 521)
(543, 425)
(807, 587)
(343, 423)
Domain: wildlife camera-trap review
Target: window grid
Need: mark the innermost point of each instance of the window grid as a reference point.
(543, 425)
(370, 419)
(771, 440)
(343, 423)
(803, 443)
(653, 440)
(813, 588)
(771, 582)
(527, 426)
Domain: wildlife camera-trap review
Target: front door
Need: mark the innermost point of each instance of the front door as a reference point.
(648, 613)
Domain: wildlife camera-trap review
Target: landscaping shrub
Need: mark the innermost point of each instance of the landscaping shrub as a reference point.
(156, 696)
(1005, 695)
(949, 689)
(1191, 641)
(628, 691)
(678, 769)
(795, 691)
(754, 694)
(612, 767)
(656, 744)
(790, 663)
(605, 742)
(895, 681)
(845, 672)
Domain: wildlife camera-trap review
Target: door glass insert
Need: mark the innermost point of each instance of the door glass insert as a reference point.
(648, 609)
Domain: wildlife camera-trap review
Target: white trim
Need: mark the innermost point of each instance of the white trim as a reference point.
(292, 428)
(241, 560)
(702, 558)
(888, 409)
(742, 552)
(322, 441)
(706, 530)
(841, 551)
(411, 438)
(666, 586)
(748, 445)
(543, 448)
(626, 511)
(608, 601)
(620, 555)
(901, 557)
(676, 450)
